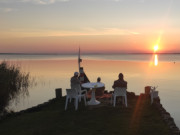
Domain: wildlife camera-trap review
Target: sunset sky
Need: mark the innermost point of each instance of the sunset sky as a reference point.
(97, 26)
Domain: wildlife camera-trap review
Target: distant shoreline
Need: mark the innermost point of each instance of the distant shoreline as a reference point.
(86, 53)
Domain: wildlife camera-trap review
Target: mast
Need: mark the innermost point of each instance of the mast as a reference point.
(79, 60)
(83, 77)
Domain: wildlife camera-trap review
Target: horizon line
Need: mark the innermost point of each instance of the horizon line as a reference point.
(81, 53)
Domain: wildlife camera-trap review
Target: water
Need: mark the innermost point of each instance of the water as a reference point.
(140, 70)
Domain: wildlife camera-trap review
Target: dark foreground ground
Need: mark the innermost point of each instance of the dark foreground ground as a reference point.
(139, 118)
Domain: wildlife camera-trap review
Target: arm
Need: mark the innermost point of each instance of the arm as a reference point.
(114, 85)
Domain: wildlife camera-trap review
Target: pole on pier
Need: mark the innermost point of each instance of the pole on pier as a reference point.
(58, 92)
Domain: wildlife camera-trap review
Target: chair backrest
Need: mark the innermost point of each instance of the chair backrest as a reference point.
(71, 92)
(120, 91)
(78, 88)
(154, 94)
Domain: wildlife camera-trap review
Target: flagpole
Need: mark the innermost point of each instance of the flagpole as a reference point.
(79, 59)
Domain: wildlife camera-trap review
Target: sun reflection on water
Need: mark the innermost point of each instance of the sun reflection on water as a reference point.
(155, 59)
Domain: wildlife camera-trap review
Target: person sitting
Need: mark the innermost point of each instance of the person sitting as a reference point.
(120, 82)
(75, 82)
(99, 91)
(99, 79)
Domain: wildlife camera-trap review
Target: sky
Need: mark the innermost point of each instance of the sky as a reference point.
(97, 26)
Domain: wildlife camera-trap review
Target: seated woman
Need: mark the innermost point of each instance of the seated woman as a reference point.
(99, 91)
(120, 82)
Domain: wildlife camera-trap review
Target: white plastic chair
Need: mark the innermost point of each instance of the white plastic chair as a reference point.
(119, 91)
(72, 93)
(154, 93)
(80, 92)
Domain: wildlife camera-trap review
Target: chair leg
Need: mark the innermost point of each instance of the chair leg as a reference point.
(125, 100)
(114, 101)
(86, 94)
(152, 97)
(76, 103)
(66, 102)
(80, 99)
(85, 100)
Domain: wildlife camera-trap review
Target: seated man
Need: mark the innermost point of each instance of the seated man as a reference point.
(120, 82)
(99, 91)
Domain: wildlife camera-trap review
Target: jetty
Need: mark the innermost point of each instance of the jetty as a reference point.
(139, 118)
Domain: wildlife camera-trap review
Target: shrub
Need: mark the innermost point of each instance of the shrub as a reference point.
(13, 83)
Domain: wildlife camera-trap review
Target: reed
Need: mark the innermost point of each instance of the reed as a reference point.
(13, 83)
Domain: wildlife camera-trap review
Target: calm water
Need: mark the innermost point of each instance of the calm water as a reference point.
(54, 71)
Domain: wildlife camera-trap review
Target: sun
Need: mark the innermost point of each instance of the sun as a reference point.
(155, 48)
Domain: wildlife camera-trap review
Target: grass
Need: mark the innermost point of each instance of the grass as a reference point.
(140, 118)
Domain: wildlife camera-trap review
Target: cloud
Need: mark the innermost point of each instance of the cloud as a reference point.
(118, 0)
(7, 10)
(45, 2)
(42, 2)
(140, 1)
(108, 31)
(81, 32)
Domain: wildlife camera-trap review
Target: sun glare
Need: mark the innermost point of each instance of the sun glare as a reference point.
(155, 48)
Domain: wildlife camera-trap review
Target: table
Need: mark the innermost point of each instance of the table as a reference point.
(94, 85)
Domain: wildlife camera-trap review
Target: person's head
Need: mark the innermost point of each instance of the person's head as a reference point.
(121, 77)
(76, 74)
(98, 79)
